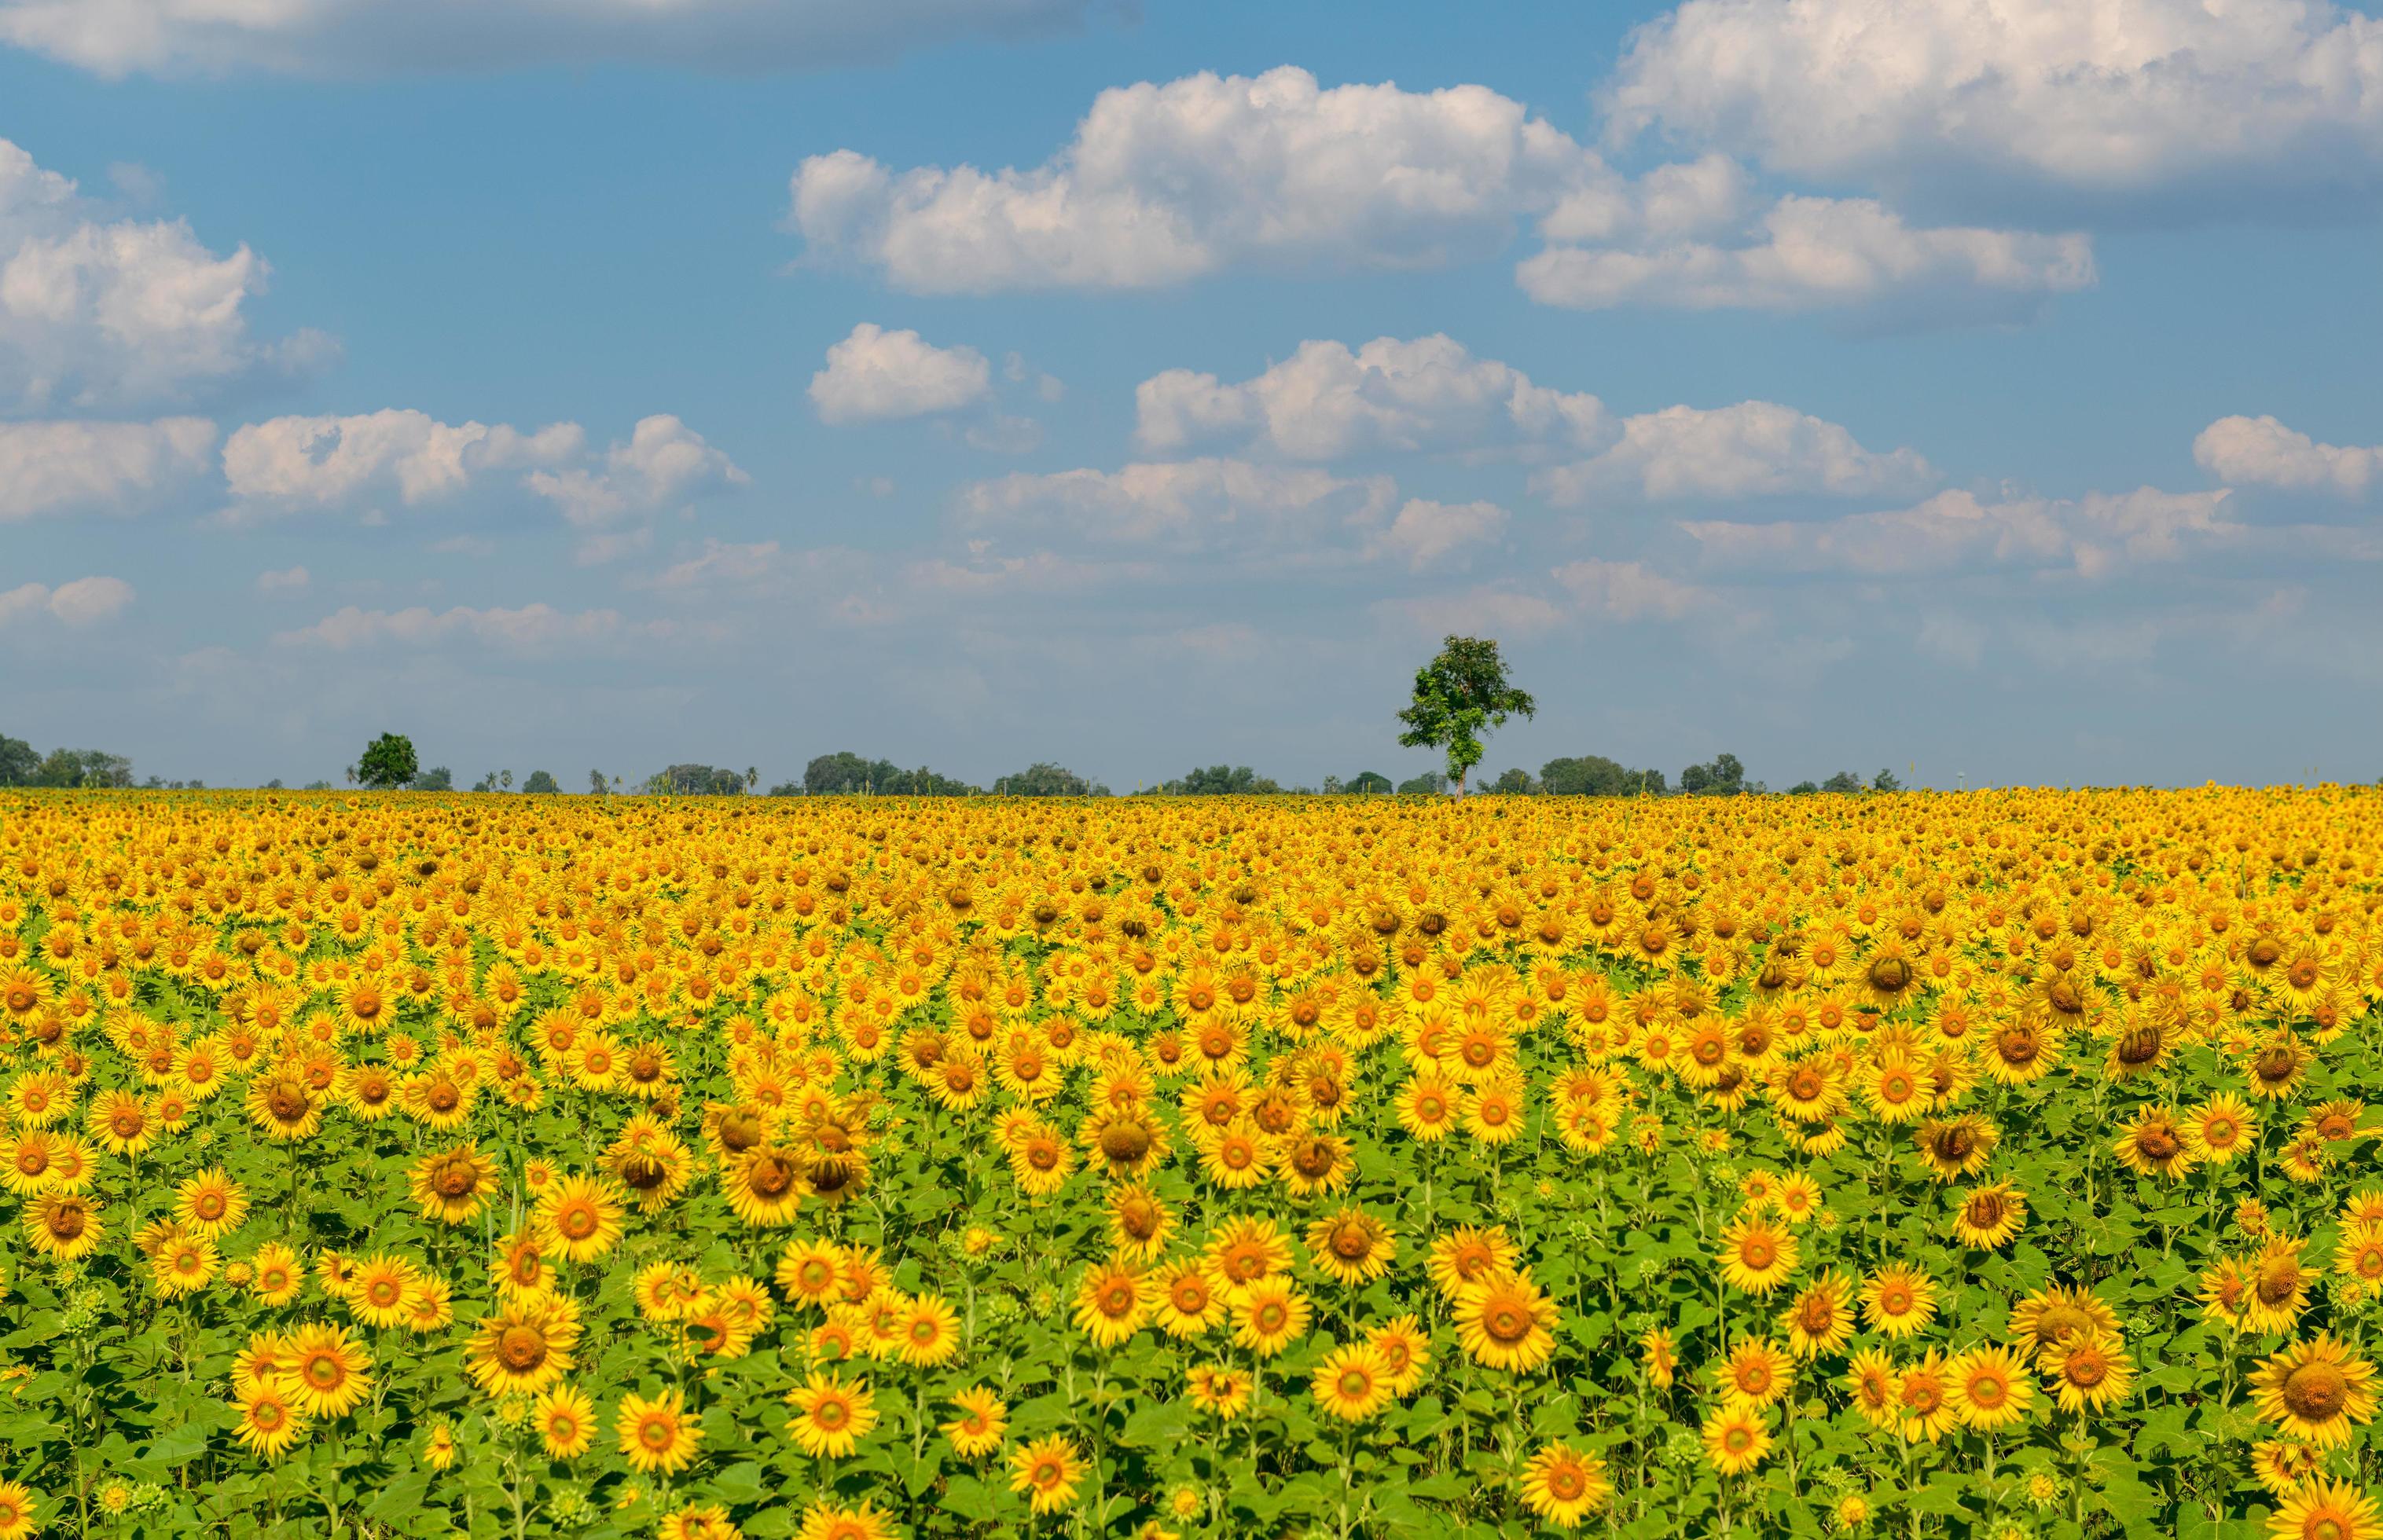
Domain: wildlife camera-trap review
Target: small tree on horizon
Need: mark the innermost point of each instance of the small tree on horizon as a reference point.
(1459, 695)
(388, 763)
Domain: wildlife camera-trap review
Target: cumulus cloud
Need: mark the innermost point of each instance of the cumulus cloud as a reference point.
(2261, 451)
(1187, 505)
(288, 579)
(1427, 534)
(2093, 96)
(664, 462)
(2092, 535)
(531, 628)
(1755, 449)
(874, 373)
(1627, 591)
(84, 601)
(1165, 183)
(1815, 254)
(311, 464)
(97, 313)
(103, 467)
(291, 465)
(1326, 402)
(371, 37)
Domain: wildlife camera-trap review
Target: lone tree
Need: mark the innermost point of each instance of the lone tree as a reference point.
(1458, 696)
(388, 763)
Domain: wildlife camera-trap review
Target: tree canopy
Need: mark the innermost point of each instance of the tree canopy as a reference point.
(388, 763)
(1459, 695)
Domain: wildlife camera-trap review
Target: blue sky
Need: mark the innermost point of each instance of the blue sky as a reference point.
(1834, 383)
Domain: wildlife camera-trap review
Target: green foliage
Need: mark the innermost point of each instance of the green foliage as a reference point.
(437, 778)
(1595, 775)
(19, 762)
(694, 781)
(1459, 694)
(1369, 783)
(69, 768)
(388, 763)
(845, 774)
(1044, 779)
(541, 783)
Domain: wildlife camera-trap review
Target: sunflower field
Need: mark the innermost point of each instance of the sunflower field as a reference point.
(1995, 1164)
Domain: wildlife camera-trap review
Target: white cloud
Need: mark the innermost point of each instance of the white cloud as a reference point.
(1755, 449)
(1425, 533)
(298, 464)
(664, 460)
(2261, 451)
(111, 467)
(1813, 254)
(1953, 531)
(2080, 95)
(719, 564)
(1040, 572)
(84, 601)
(1325, 401)
(1164, 183)
(289, 464)
(1187, 505)
(532, 628)
(98, 313)
(369, 37)
(1627, 591)
(290, 580)
(874, 373)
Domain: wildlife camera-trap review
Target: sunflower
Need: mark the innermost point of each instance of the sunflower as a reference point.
(2153, 1143)
(1821, 1319)
(329, 1371)
(656, 1434)
(64, 1225)
(1505, 1322)
(1351, 1383)
(1269, 1316)
(524, 1346)
(2090, 1371)
(1954, 1148)
(276, 1274)
(1188, 1302)
(1564, 1485)
(2325, 1509)
(453, 1186)
(1755, 1255)
(831, 1415)
(2280, 1287)
(211, 1203)
(1405, 1350)
(2281, 1464)
(1990, 1217)
(1467, 1253)
(1924, 1399)
(826, 1521)
(1990, 1387)
(184, 1263)
(2316, 1390)
(1048, 1470)
(1897, 1301)
(2220, 1128)
(1352, 1246)
(1111, 1303)
(270, 1421)
(1219, 1388)
(764, 1185)
(979, 1422)
(1754, 1371)
(930, 1332)
(284, 1106)
(1139, 1221)
(2047, 1317)
(1736, 1436)
(384, 1285)
(579, 1217)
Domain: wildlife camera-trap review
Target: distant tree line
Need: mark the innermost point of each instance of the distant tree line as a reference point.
(21, 765)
